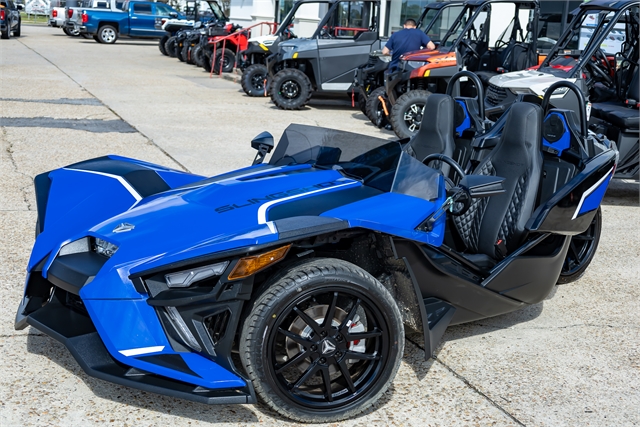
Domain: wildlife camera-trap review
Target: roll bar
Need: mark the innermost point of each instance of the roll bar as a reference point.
(582, 109)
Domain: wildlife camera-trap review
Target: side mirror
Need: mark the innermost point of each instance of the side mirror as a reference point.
(482, 185)
(173, 15)
(264, 144)
(20, 6)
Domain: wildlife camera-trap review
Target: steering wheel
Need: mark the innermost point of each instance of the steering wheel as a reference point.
(470, 48)
(461, 197)
(595, 64)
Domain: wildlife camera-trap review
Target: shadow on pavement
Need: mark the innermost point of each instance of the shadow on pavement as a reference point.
(56, 352)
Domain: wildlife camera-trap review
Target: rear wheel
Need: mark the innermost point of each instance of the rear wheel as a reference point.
(184, 53)
(323, 342)
(225, 58)
(255, 80)
(161, 44)
(290, 89)
(581, 251)
(198, 56)
(108, 34)
(71, 33)
(406, 114)
(375, 109)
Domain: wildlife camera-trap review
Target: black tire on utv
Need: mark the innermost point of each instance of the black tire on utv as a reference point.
(179, 50)
(206, 60)
(299, 353)
(255, 80)
(581, 251)
(196, 55)
(375, 110)
(184, 53)
(228, 59)
(171, 47)
(161, 44)
(406, 114)
(362, 103)
(290, 89)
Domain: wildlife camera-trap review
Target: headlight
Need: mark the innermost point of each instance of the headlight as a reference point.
(558, 92)
(183, 279)
(267, 42)
(414, 64)
(287, 48)
(521, 91)
(105, 248)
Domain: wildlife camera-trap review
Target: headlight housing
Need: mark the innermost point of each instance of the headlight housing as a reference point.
(104, 248)
(410, 65)
(184, 279)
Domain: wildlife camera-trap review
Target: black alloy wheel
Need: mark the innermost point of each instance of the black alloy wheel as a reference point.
(581, 251)
(323, 342)
(407, 113)
(253, 80)
(290, 89)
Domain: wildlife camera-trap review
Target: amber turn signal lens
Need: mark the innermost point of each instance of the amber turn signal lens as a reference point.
(252, 264)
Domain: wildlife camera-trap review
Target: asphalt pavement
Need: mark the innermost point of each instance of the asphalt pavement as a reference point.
(572, 360)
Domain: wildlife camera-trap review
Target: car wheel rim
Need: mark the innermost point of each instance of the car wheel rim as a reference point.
(328, 348)
(413, 116)
(257, 81)
(108, 35)
(580, 249)
(290, 89)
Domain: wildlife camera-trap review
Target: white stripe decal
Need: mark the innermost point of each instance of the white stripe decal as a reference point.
(262, 211)
(120, 179)
(588, 192)
(142, 350)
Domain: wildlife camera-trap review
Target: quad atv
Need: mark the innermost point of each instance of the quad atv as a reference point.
(221, 45)
(471, 44)
(369, 78)
(325, 62)
(599, 53)
(292, 281)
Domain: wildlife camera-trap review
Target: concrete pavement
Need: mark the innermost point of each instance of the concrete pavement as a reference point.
(571, 360)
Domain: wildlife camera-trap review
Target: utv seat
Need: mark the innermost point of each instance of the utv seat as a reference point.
(618, 113)
(435, 135)
(513, 58)
(494, 227)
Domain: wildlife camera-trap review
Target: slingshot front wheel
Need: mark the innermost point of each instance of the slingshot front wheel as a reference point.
(323, 341)
(581, 251)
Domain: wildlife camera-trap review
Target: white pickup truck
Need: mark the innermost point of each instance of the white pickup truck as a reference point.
(57, 14)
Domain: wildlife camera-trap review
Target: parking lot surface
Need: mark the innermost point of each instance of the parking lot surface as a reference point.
(572, 360)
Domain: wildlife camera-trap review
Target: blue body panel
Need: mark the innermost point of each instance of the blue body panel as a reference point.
(143, 25)
(565, 140)
(466, 123)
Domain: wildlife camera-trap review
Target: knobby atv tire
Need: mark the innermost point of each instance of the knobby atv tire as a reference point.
(581, 251)
(417, 98)
(206, 60)
(162, 43)
(362, 103)
(277, 295)
(196, 52)
(228, 59)
(179, 50)
(374, 109)
(253, 80)
(184, 53)
(107, 34)
(170, 47)
(281, 85)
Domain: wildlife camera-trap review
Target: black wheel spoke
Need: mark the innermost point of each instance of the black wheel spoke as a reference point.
(344, 370)
(294, 361)
(351, 314)
(297, 338)
(583, 237)
(331, 311)
(353, 336)
(575, 251)
(326, 379)
(361, 356)
(306, 376)
(308, 320)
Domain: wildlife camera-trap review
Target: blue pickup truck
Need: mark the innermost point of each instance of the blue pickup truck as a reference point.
(135, 19)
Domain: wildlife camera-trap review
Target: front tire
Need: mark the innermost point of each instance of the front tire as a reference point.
(323, 341)
(107, 34)
(290, 89)
(255, 80)
(581, 251)
(16, 32)
(226, 58)
(171, 47)
(161, 45)
(375, 110)
(406, 114)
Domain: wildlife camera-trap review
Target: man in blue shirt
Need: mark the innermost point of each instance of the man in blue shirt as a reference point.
(406, 40)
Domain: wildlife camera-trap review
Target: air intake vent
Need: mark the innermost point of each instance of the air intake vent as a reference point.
(217, 325)
(495, 95)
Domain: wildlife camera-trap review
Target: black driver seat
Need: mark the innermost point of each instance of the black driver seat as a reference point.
(494, 227)
(435, 135)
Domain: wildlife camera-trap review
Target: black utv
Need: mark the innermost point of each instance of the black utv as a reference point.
(325, 62)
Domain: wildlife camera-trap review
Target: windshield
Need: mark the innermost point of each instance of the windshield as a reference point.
(297, 22)
(375, 162)
(436, 22)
